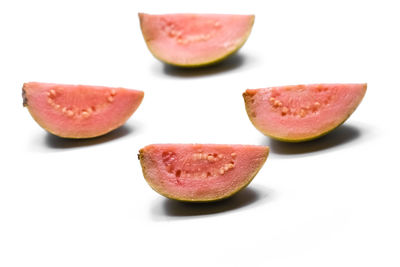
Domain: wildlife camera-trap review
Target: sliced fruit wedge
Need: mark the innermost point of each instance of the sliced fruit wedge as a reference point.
(302, 112)
(192, 40)
(79, 111)
(200, 172)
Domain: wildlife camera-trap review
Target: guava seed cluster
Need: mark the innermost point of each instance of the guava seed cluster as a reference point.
(199, 164)
(55, 100)
(176, 32)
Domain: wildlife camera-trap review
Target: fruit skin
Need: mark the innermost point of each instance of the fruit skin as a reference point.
(151, 31)
(109, 115)
(198, 188)
(291, 135)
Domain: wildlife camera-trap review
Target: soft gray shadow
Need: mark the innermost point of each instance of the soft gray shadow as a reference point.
(340, 136)
(175, 209)
(229, 64)
(53, 141)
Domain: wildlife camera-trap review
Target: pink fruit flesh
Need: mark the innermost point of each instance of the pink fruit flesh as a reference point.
(194, 39)
(79, 111)
(196, 172)
(302, 112)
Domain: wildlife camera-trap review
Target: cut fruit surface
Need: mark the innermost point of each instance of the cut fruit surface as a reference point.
(302, 112)
(191, 40)
(79, 111)
(199, 172)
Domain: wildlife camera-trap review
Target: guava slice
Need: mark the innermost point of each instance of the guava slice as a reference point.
(192, 40)
(79, 111)
(302, 112)
(200, 172)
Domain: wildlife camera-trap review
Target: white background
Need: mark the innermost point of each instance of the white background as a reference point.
(330, 202)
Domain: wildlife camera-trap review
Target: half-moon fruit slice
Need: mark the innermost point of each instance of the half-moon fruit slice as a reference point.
(79, 111)
(200, 172)
(192, 40)
(302, 112)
